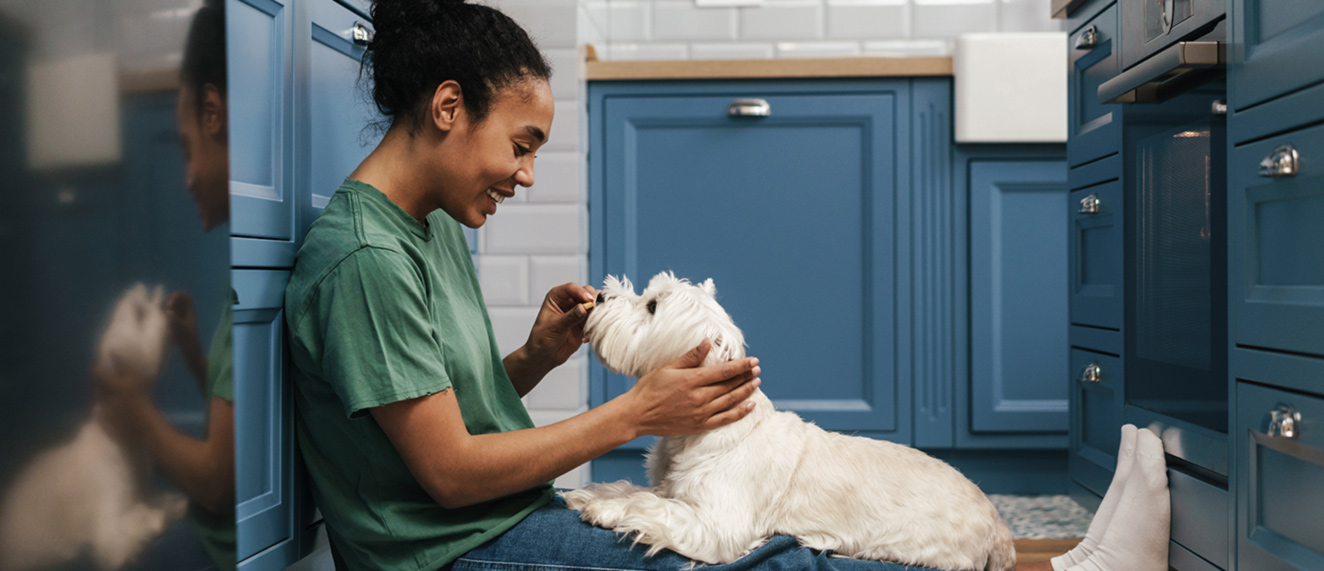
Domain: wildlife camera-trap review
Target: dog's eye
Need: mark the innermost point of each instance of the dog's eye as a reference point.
(652, 307)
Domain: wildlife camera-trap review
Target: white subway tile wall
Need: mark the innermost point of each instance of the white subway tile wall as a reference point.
(679, 29)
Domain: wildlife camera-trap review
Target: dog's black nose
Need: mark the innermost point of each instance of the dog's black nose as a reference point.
(599, 300)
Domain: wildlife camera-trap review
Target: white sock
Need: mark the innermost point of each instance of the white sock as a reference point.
(1082, 551)
(1137, 536)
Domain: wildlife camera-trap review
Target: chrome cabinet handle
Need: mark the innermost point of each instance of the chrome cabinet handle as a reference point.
(749, 108)
(1089, 205)
(1283, 161)
(361, 34)
(1283, 421)
(1092, 373)
(1088, 39)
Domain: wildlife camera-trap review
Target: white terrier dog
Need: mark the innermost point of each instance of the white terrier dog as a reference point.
(716, 496)
(87, 495)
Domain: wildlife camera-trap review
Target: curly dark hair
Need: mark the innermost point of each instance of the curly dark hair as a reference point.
(204, 51)
(419, 44)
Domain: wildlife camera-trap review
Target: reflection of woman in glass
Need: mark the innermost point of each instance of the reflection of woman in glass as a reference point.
(201, 468)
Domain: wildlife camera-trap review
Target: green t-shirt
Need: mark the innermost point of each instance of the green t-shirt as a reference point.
(382, 308)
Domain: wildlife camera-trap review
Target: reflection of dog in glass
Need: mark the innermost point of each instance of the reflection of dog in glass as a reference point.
(89, 495)
(716, 496)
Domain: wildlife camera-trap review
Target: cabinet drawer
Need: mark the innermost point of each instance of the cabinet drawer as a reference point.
(1093, 129)
(259, 37)
(1275, 262)
(1095, 256)
(1096, 418)
(1273, 38)
(1280, 481)
(1199, 517)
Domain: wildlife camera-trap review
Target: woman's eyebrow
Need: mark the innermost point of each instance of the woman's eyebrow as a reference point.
(536, 133)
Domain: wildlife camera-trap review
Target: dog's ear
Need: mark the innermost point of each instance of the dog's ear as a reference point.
(708, 286)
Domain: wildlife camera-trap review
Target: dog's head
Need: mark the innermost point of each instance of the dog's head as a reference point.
(637, 333)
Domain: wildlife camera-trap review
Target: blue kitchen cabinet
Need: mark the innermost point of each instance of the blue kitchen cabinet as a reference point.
(1018, 297)
(265, 483)
(259, 36)
(1276, 279)
(1280, 467)
(1094, 242)
(792, 214)
(1275, 48)
(1094, 130)
(336, 123)
(1096, 387)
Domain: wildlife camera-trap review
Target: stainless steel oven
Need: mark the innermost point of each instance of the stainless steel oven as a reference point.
(1149, 26)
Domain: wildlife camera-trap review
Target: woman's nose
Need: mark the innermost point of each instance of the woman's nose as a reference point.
(524, 176)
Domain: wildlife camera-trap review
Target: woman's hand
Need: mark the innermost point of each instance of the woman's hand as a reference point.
(683, 398)
(557, 333)
(559, 329)
(183, 323)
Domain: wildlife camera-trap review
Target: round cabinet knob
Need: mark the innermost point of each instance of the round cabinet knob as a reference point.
(749, 108)
(1090, 204)
(1088, 39)
(1092, 373)
(1284, 421)
(1283, 161)
(361, 34)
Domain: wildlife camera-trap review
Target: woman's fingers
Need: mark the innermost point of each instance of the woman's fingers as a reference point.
(733, 397)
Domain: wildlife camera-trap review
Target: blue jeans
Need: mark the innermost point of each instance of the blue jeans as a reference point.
(554, 539)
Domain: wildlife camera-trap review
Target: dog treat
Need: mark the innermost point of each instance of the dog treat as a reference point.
(588, 305)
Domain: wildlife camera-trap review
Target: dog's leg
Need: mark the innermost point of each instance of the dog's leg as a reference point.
(663, 523)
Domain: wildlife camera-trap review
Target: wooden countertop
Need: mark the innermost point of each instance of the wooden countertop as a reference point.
(858, 66)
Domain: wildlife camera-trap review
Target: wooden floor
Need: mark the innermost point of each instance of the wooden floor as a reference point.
(1033, 550)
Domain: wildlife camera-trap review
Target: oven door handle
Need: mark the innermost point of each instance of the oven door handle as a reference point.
(1168, 73)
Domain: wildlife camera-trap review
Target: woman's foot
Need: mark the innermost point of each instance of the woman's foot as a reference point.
(1082, 551)
(1137, 535)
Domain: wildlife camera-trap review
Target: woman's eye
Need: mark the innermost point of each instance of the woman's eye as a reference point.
(652, 307)
(521, 151)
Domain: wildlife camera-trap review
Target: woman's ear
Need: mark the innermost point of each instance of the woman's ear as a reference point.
(447, 104)
(215, 112)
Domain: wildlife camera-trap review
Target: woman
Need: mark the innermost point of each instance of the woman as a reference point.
(410, 422)
(420, 452)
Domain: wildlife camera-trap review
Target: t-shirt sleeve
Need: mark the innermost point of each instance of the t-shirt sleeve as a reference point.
(378, 342)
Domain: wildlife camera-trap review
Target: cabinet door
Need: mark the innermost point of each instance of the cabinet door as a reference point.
(335, 122)
(1018, 296)
(1094, 129)
(1096, 418)
(790, 214)
(1095, 252)
(264, 430)
(1280, 479)
(1273, 43)
(1276, 264)
(258, 36)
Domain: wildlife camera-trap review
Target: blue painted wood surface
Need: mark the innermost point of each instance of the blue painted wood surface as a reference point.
(264, 431)
(1094, 244)
(1275, 48)
(259, 39)
(1096, 419)
(1280, 481)
(1276, 263)
(792, 215)
(1093, 129)
(1018, 296)
(336, 124)
(930, 271)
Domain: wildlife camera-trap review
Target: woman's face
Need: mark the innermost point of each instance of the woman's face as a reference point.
(206, 152)
(485, 162)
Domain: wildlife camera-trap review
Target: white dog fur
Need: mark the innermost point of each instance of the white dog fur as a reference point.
(86, 497)
(716, 496)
